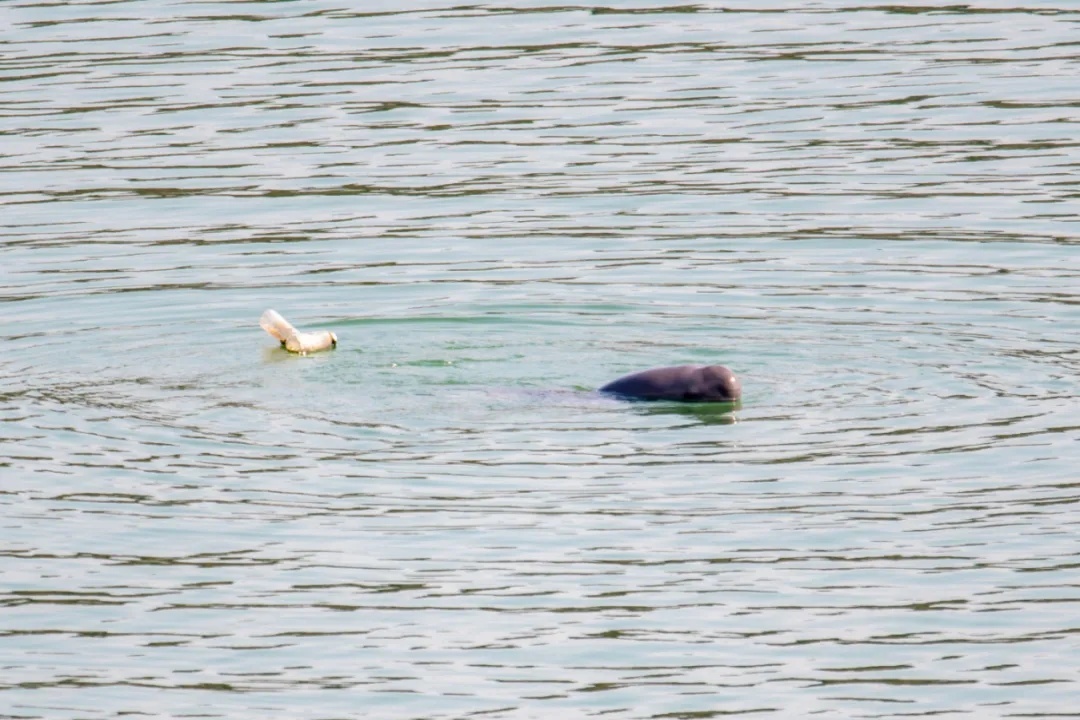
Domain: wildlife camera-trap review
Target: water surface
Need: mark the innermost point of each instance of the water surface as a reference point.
(867, 211)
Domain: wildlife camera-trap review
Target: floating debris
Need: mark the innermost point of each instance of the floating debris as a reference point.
(292, 339)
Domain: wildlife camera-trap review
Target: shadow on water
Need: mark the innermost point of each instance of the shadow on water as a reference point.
(703, 413)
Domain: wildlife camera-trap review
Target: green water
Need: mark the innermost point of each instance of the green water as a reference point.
(867, 211)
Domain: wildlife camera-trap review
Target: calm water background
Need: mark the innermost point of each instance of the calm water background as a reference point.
(867, 210)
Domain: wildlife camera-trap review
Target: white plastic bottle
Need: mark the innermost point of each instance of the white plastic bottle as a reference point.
(292, 339)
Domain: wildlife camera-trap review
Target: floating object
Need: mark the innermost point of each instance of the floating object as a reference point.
(687, 383)
(292, 339)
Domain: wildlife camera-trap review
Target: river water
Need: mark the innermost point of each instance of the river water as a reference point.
(868, 211)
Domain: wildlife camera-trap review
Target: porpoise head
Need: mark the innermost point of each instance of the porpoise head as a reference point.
(681, 383)
(714, 383)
